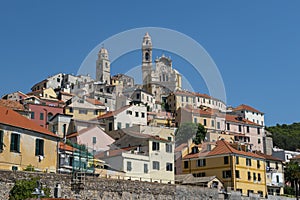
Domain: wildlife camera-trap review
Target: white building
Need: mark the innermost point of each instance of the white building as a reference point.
(250, 113)
(124, 117)
(144, 156)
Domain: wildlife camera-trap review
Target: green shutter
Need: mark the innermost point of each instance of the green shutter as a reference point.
(42, 147)
(18, 142)
(37, 147)
(12, 142)
(1, 139)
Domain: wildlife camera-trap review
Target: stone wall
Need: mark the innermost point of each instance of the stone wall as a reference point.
(114, 189)
(102, 188)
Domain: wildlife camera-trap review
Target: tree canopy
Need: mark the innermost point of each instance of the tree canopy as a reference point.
(286, 136)
(186, 131)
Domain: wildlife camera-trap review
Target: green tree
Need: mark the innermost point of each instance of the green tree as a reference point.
(292, 174)
(23, 189)
(286, 136)
(200, 134)
(186, 131)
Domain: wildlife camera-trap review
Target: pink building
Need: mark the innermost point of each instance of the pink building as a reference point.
(42, 113)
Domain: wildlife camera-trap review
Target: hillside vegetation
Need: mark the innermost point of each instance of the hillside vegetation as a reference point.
(286, 136)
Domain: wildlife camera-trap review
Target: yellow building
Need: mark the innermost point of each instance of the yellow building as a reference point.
(24, 143)
(84, 108)
(237, 169)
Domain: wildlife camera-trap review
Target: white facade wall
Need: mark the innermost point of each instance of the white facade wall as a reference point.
(125, 119)
(163, 158)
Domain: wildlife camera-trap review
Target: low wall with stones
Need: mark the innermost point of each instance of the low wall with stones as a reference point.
(113, 189)
(102, 188)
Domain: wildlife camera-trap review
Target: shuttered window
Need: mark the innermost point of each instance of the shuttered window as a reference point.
(39, 147)
(15, 142)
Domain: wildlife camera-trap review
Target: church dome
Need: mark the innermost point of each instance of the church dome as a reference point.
(103, 51)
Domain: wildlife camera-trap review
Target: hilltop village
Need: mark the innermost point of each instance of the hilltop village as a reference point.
(110, 126)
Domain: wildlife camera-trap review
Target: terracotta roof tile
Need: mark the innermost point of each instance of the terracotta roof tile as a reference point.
(13, 118)
(246, 107)
(14, 105)
(268, 157)
(224, 147)
(65, 147)
(113, 113)
(94, 101)
(237, 119)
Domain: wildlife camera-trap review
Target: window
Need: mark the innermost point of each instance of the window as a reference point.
(169, 167)
(155, 146)
(1, 140)
(258, 131)
(228, 126)
(268, 163)
(218, 125)
(83, 111)
(15, 142)
(260, 193)
(137, 96)
(136, 114)
(248, 162)
(129, 167)
(204, 122)
(110, 126)
(170, 138)
(143, 115)
(155, 165)
(145, 168)
(127, 125)
(227, 174)
(201, 163)
(105, 100)
(39, 147)
(119, 125)
(212, 123)
(276, 165)
(71, 110)
(258, 141)
(94, 140)
(195, 120)
(237, 160)
(32, 115)
(258, 177)
(186, 164)
(240, 128)
(129, 112)
(248, 129)
(187, 99)
(237, 174)
(258, 164)
(201, 174)
(41, 116)
(249, 176)
(254, 176)
(169, 148)
(226, 160)
(95, 112)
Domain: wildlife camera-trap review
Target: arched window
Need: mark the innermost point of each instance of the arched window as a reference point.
(147, 56)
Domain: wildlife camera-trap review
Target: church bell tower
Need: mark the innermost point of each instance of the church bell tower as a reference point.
(103, 66)
(147, 59)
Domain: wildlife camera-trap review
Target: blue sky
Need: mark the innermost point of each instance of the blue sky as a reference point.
(255, 44)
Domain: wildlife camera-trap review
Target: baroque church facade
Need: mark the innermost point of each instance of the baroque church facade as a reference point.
(159, 78)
